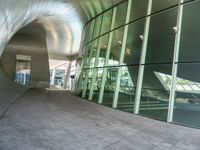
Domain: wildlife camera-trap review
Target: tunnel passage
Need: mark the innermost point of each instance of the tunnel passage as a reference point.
(25, 43)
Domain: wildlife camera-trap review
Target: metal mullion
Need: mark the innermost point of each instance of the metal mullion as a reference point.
(142, 59)
(88, 62)
(96, 63)
(121, 60)
(100, 100)
(175, 60)
(87, 71)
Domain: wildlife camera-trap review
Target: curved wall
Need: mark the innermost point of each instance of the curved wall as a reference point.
(23, 43)
(142, 57)
(9, 92)
(36, 48)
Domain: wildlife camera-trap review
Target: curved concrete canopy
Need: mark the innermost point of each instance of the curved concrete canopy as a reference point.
(63, 20)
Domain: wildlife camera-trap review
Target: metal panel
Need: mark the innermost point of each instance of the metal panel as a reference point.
(63, 20)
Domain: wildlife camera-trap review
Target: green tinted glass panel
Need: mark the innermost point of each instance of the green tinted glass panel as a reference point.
(187, 102)
(128, 84)
(138, 9)
(188, 0)
(155, 95)
(106, 23)
(116, 47)
(161, 37)
(190, 45)
(97, 28)
(81, 81)
(98, 72)
(134, 43)
(87, 55)
(89, 73)
(91, 30)
(93, 50)
(110, 86)
(103, 50)
(84, 41)
(159, 5)
(121, 14)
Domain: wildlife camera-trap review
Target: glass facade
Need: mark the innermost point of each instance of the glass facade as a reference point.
(141, 57)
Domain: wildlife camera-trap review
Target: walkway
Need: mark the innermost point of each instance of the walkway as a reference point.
(58, 120)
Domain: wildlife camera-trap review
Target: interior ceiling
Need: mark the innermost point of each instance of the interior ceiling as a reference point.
(63, 21)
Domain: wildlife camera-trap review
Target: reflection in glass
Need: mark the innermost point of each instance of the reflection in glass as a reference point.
(92, 54)
(88, 73)
(97, 27)
(138, 9)
(187, 102)
(91, 30)
(106, 22)
(87, 55)
(79, 82)
(189, 47)
(128, 84)
(98, 72)
(116, 47)
(103, 50)
(110, 86)
(121, 14)
(82, 81)
(155, 96)
(161, 37)
(134, 43)
(159, 5)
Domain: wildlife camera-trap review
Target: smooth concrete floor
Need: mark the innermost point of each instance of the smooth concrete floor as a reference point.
(58, 120)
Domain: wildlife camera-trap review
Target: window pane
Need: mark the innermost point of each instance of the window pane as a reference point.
(128, 84)
(97, 27)
(103, 51)
(81, 82)
(93, 50)
(189, 46)
(98, 72)
(106, 23)
(91, 30)
(87, 54)
(159, 5)
(161, 38)
(116, 47)
(110, 86)
(86, 35)
(187, 102)
(89, 73)
(187, 0)
(138, 9)
(155, 94)
(121, 14)
(134, 43)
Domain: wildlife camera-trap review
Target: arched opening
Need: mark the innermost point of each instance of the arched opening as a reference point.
(25, 58)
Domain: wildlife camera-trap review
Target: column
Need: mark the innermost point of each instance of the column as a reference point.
(142, 59)
(67, 81)
(177, 30)
(121, 59)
